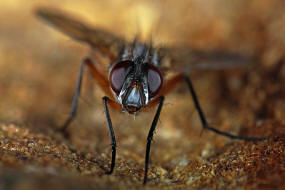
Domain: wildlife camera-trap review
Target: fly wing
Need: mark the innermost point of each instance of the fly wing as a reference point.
(185, 59)
(96, 38)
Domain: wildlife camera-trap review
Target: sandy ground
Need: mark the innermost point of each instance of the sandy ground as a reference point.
(38, 73)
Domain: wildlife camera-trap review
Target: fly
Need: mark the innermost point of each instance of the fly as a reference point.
(135, 79)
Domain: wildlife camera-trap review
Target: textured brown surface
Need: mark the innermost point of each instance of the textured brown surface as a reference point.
(38, 72)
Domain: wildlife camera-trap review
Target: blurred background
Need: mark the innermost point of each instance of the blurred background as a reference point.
(39, 67)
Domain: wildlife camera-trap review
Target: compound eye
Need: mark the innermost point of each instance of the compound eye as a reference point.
(154, 78)
(118, 74)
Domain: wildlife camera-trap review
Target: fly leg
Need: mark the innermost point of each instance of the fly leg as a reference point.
(150, 135)
(102, 81)
(204, 121)
(74, 104)
(107, 101)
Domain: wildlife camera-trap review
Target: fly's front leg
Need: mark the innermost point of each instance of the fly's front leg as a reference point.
(150, 136)
(204, 121)
(103, 82)
(107, 101)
